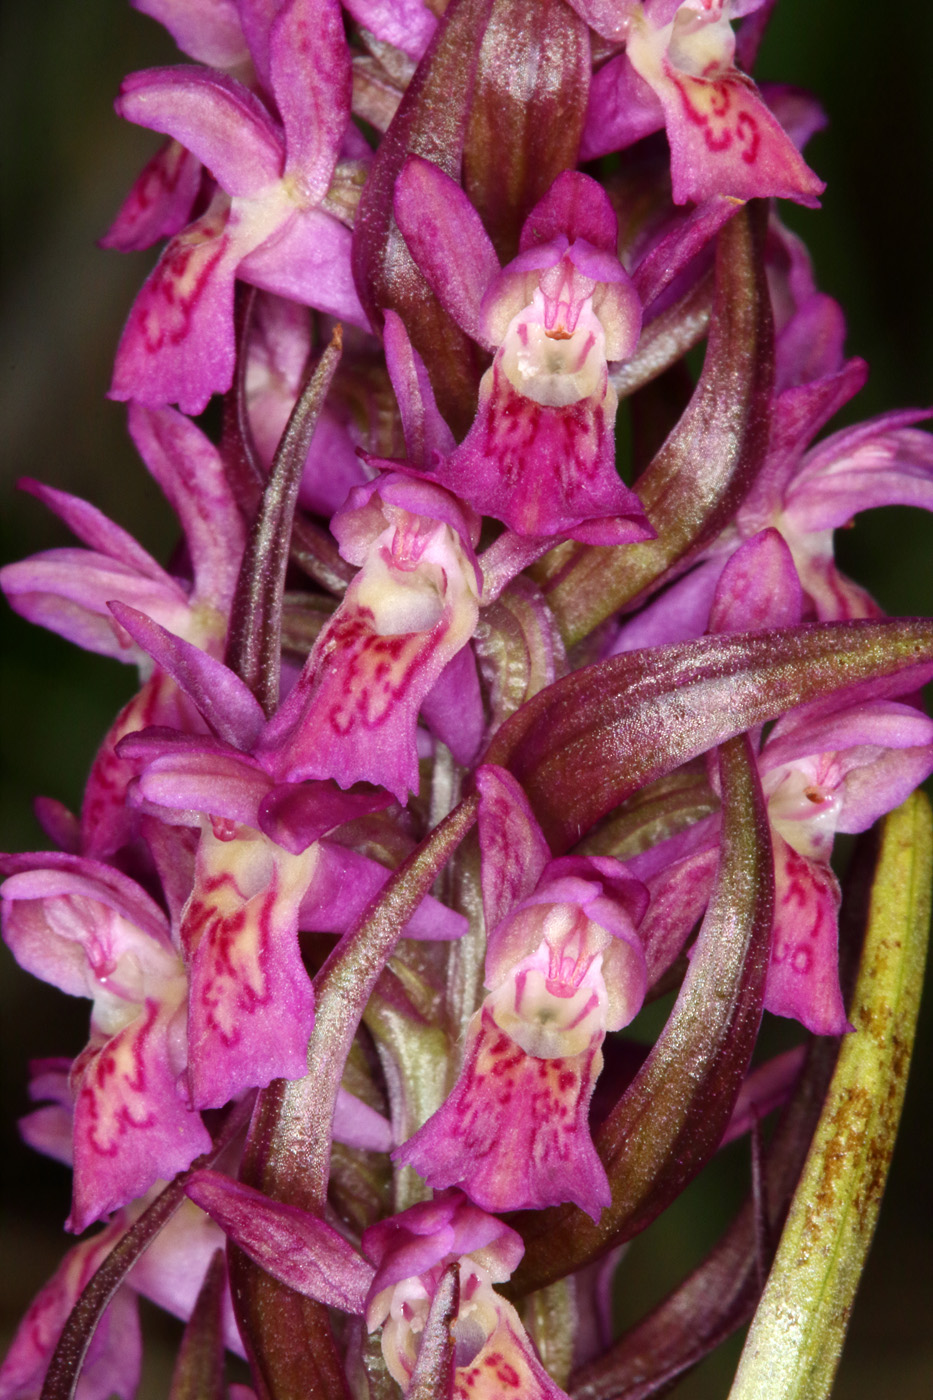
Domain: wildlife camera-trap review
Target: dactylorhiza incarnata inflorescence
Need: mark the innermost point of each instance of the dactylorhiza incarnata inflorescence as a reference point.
(464, 731)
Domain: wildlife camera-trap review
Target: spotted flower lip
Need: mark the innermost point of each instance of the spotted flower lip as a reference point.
(564, 964)
(93, 932)
(826, 767)
(264, 223)
(678, 72)
(405, 619)
(540, 453)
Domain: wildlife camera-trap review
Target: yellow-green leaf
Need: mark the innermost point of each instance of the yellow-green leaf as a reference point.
(795, 1340)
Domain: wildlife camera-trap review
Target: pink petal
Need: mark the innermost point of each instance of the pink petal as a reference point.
(825, 728)
(332, 467)
(608, 17)
(226, 702)
(358, 1125)
(251, 1003)
(309, 69)
(884, 462)
(758, 587)
(216, 118)
(189, 469)
(344, 884)
(811, 346)
(256, 17)
(670, 255)
(94, 529)
(578, 207)
(453, 707)
(222, 786)
(308, 260)
(797, 416)
(296, 814)
(407, 24)
(803, 975)
(60, 825)
(426, 1234)
(206, 30)
(353, 712)
(874, 789)
(177, 345)
(48, 1129)
(69, 920)
(159, 204)
(679, 614)
(131, 1127)
(679, 895)
(68, 590)
(622, 109)
(447, 240)
(513, 1133)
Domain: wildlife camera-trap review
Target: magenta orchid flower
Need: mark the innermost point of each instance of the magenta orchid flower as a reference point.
(169, 1273)
(409, 1254)
(69, 590)
(264, 224)
(563, 964)
(805, 492)
(678, 71)
(493, 1355)
(93, 932)
(540, 455)
(826, 771)
(262, 870)
(831, 766)
(407, 614)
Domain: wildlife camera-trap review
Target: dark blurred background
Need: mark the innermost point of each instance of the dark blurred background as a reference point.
(67, 164)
